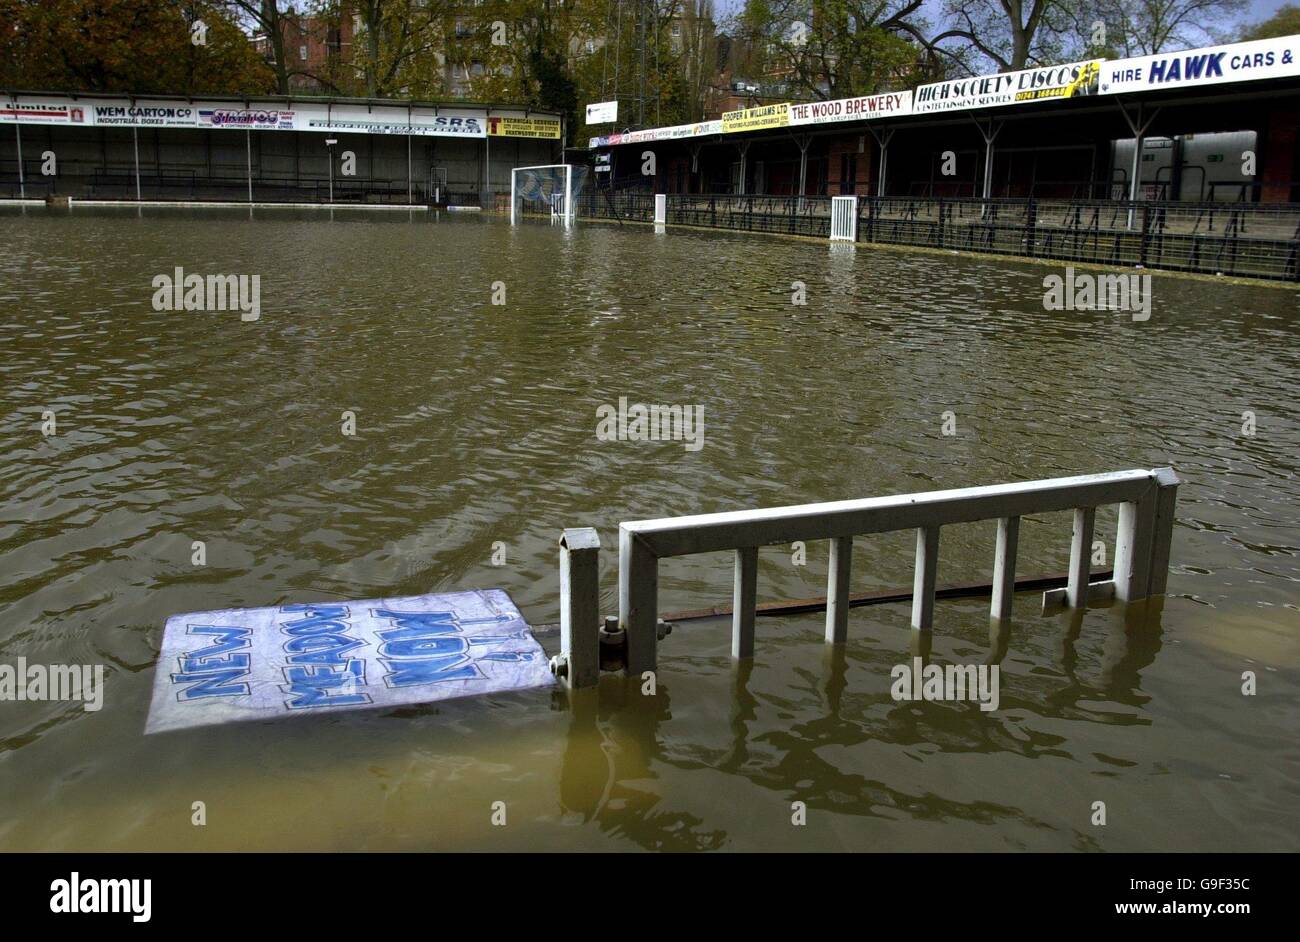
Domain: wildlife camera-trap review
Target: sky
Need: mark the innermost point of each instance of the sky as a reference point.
(1259, 9)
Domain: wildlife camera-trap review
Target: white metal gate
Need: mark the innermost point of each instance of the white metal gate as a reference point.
(844, 218)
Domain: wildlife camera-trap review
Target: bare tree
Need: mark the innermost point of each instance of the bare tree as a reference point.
(1145, 27)
(1011, 33)
(699, 53)
(269, 18)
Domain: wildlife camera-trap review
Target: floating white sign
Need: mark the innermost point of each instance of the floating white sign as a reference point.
(263, 663)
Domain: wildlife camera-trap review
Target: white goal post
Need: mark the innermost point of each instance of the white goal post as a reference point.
(547, 188)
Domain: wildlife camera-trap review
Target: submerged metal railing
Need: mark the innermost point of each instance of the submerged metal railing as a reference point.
(1258, 240)
(1146, 500)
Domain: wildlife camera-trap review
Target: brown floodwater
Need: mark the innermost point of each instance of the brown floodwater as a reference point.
(476, 425)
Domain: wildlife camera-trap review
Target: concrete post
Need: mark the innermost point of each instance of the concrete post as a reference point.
(837, 590)
(744, 599)
(1076, 590)
(927, 563)
(580, 607)
(1133, 543)
(1004, 567)
(638, 601)
(1166, 502)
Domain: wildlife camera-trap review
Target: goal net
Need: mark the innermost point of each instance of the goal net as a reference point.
(549, 190)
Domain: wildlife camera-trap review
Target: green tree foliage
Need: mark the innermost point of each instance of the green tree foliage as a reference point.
(830, 48)
(129, 46)
(1285, 22)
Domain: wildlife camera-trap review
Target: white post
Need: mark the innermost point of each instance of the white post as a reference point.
(1166, 502)
(568, 194)
(1004, 567)
(1133, 542)
(513, 173)
(638, 601)
(22, 182)
(1076, 589)
(927, 563)
(744, 598)
(988, 167)
(661, 208)
(580, 607)
(135, 140)
(837, 590)
(884, 139)
(410, 198)
(248, 141)
(1135, 177)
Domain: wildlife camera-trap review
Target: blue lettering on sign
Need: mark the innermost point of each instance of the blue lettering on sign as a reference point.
(424, 648)
(1188, 68)
(212, 671)
(318, 672)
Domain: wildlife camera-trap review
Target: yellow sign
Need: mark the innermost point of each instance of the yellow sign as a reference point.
(499, 126)
(756, 119)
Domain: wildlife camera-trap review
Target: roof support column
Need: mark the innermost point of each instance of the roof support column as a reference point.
(990, 135)
(693, 148)
(743, 147)
(803, 142)
(882, 141)
(22, 183)
(135, 140)
(1139, 127)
